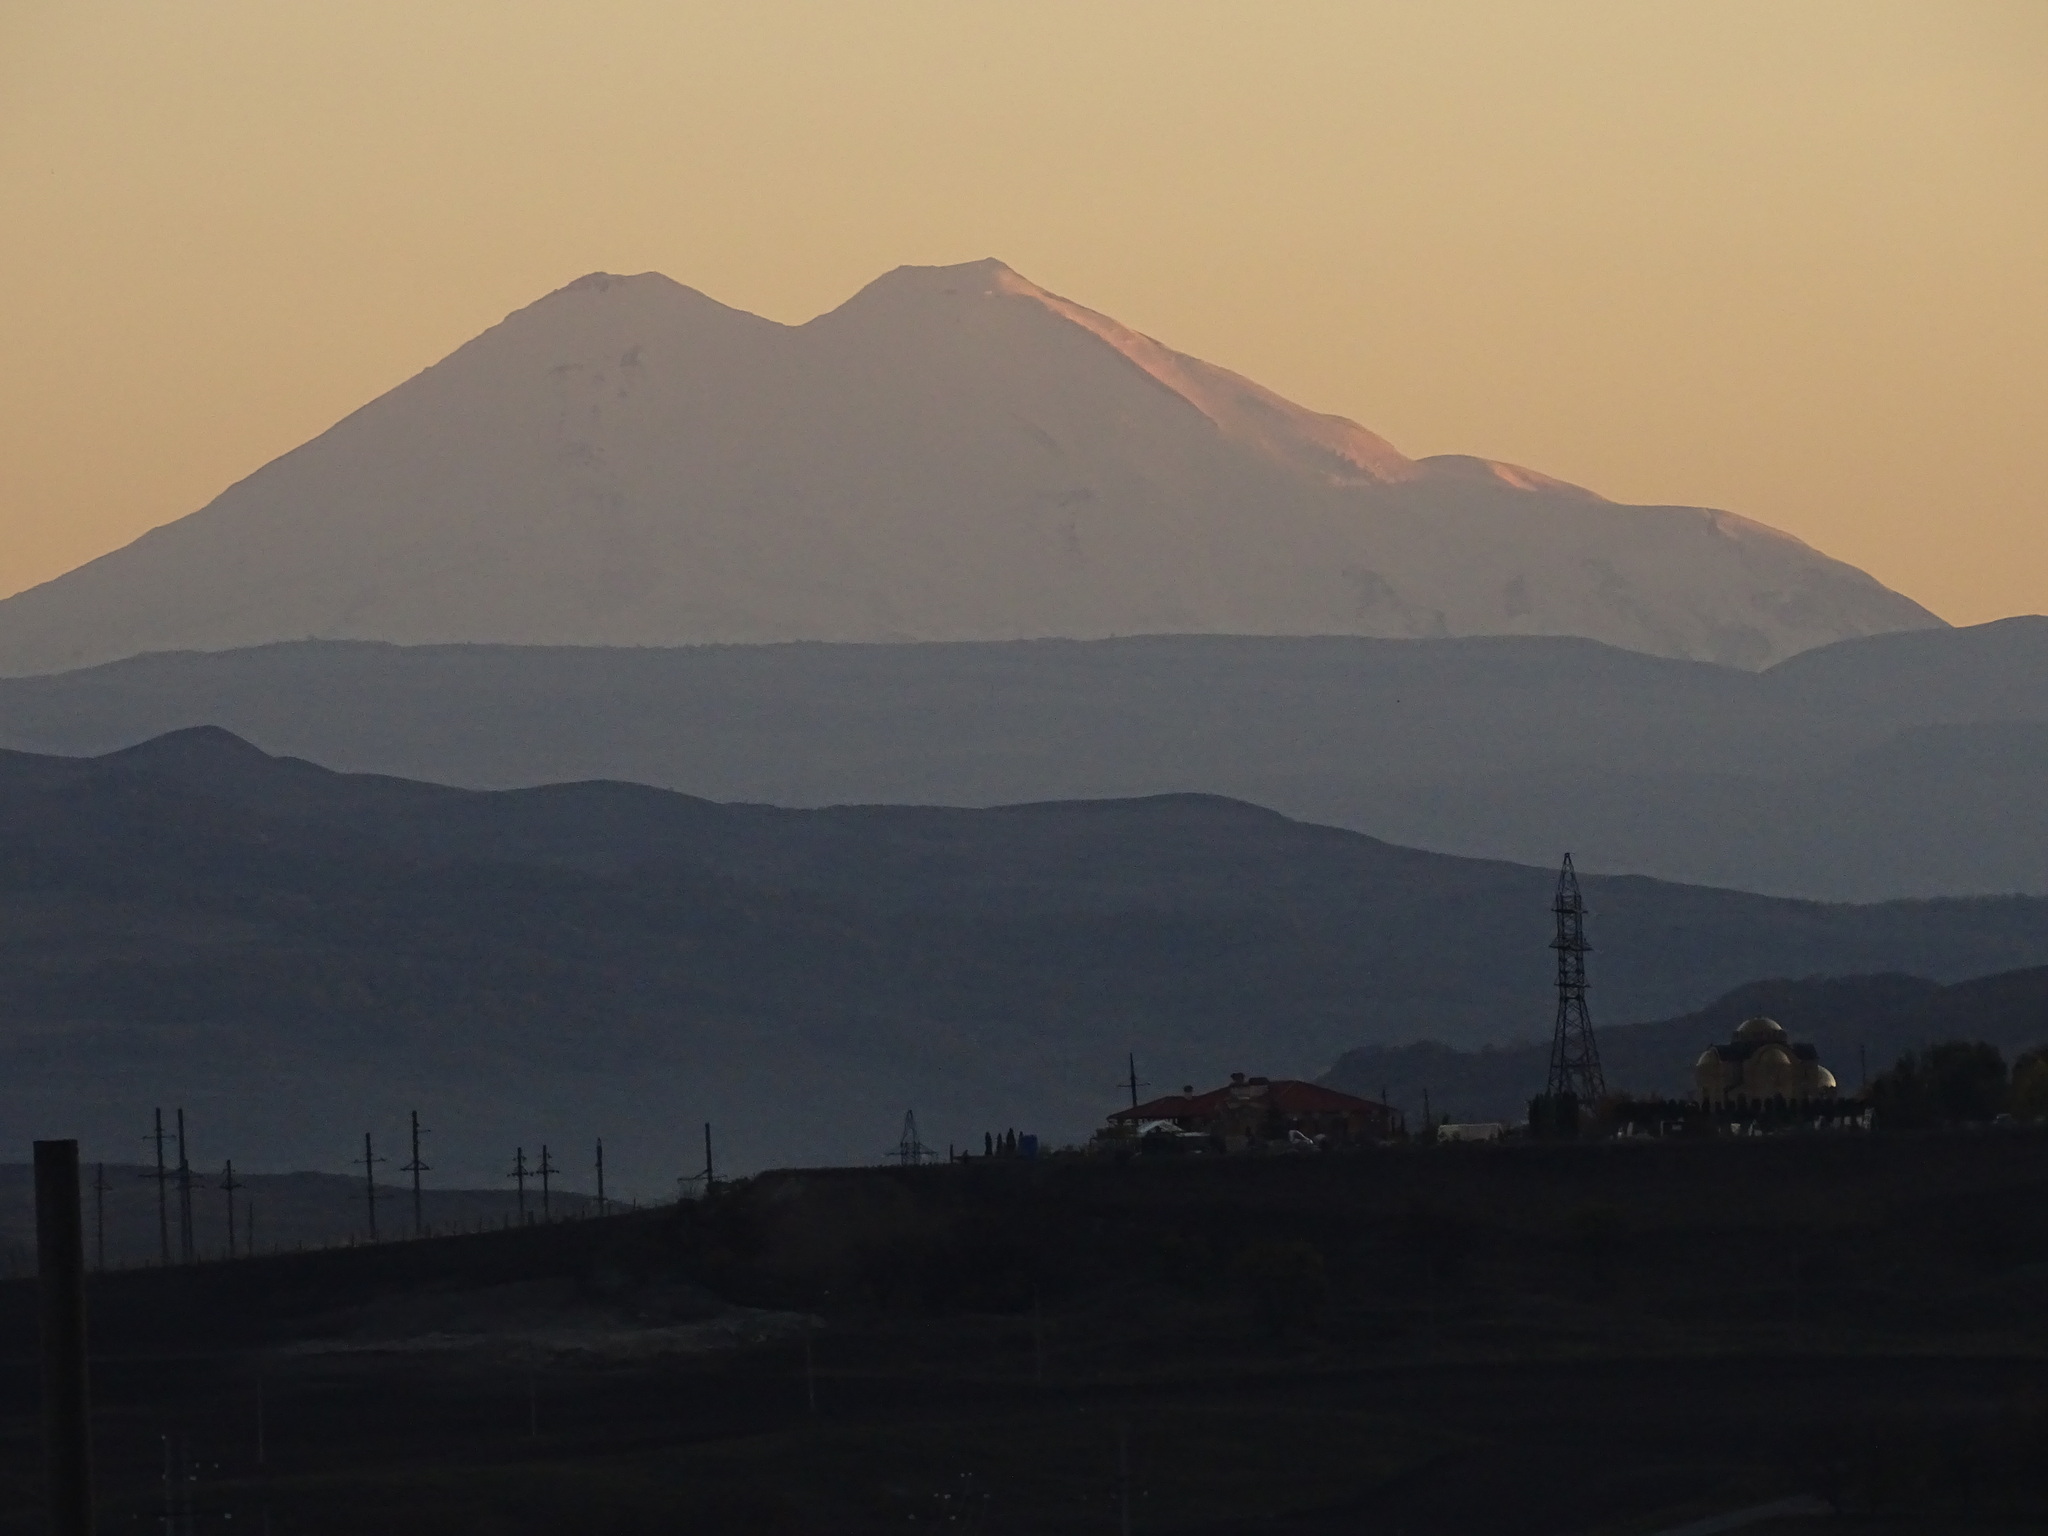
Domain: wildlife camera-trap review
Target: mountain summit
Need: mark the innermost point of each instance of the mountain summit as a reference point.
(952, 454)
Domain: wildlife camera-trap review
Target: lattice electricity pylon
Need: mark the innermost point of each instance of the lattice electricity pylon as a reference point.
(1574, 1054)
(910, 1151)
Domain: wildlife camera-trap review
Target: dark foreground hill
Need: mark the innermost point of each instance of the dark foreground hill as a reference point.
(1421, 1341)
(1853, 1020)
(296, 956)
(1901, 765)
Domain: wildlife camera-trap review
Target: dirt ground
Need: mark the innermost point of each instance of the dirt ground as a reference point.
(1577, 1341)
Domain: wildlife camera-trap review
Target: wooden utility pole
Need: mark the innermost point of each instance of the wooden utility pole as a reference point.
(710, 1177)
(186, 1250)
(99, 1214)
(600, 1176)
(163, 1193)
(229, 1184)
(545, 1170)
(415, 1167)
(67, 1401)
(370, 1160)
(520, 1174)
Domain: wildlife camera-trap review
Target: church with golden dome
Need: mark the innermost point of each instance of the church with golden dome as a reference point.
(1760, 1065)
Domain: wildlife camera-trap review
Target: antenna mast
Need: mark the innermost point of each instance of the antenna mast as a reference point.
(1574, 1054)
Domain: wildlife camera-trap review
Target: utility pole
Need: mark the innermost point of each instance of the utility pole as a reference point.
(370, 1160)
(163, 1193)
(99, 1212)
(67, 1402)
(520, 1174)
(600, 1176)
(545, 1170)
(228, 1185)
(710, 1177)
(1131, 1061)
(416, 1168)
(185, 1246)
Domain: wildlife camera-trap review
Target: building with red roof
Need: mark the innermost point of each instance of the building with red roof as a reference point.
(1251, 1112)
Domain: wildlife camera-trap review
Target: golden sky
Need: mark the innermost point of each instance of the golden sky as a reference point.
(1789, 259)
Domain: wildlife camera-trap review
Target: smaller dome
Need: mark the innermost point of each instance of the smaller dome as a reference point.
(1824, 1080)
(1772, 1056)
(1760, 1029)
(1708, 1058)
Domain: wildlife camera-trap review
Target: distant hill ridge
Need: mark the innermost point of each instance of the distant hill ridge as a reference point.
(292, 953)
(1899, 765)
(955, 453)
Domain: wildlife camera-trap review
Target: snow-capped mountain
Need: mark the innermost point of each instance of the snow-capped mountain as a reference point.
(954, 453)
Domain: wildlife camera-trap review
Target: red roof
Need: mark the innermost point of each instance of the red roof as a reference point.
(1288, 1095)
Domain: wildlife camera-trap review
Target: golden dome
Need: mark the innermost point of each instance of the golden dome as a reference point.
(1760, 1028)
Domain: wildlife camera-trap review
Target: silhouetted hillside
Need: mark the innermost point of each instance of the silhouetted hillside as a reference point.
(296, 956)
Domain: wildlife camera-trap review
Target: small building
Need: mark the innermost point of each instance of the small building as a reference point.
(1253, 1112)
(1761, 1065)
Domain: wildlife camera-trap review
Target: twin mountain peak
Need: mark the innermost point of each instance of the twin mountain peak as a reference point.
(952, 454)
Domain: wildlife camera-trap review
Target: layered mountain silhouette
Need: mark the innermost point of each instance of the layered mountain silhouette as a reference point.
(952, 454)
(295, 955)
(1856, 1023)
(1899, 765)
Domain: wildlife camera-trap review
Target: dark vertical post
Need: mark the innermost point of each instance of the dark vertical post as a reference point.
(99, 1214)
(185, 1254)
(709, 1176)
(600, 1176)
(546, 1171)
(416, 1168)
(163, 1194)
(60, 1263)
(1132, 1062)
(229, 1184)
(370, 1162)
(518, 1176)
